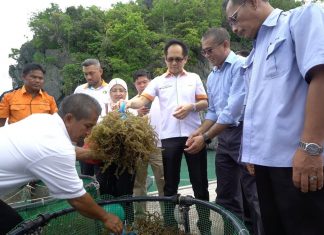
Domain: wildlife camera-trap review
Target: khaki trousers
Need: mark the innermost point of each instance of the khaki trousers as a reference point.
(140, 180)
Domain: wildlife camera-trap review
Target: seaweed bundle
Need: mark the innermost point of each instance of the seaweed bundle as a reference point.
(125, 142)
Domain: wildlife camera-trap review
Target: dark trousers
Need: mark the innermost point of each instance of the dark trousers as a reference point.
(234, 184)
(285, 210)
(87, 168)
(172, 151)
(9, 218)
(197, 167)
(117, 186)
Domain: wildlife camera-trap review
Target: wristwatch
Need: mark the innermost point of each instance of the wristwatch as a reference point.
(206, 138)
(311, 148)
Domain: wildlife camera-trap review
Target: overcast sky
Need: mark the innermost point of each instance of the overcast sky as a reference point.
(14, 17)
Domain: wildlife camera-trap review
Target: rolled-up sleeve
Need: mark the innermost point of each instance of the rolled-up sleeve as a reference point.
(233, 111)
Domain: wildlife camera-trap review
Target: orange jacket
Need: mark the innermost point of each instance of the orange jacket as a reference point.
(18, 104)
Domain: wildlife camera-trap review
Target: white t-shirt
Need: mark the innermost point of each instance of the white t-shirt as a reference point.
(39, 147)
(101, 94)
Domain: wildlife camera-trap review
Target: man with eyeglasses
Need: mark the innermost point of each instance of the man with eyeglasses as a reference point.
(225, 89)
(283, 133)
(97, 88)
(181, 95)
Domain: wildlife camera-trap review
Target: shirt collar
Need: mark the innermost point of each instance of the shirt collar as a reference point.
(168, 74)
(272, 19)
(230, 59)
(23, 90)
(103, 84)
(62, 125)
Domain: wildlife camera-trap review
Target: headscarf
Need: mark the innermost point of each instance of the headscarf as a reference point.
(112, 83)
(118, 81)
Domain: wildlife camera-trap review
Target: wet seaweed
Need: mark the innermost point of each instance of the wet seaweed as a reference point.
(153, 224)
(124, 142)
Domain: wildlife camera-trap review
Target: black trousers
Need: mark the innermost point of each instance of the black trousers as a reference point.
(172, 151)
(117, 186)
(9, 218)
(235, 186)
(285, 210)
(87, 168)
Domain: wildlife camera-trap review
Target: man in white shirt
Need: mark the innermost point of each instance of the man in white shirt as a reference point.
(98, 89)
(181, 95)
(42, 147)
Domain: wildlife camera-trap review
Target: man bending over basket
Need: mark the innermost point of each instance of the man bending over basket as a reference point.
(41, 147)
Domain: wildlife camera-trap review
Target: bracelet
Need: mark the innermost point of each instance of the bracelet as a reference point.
(194, 107)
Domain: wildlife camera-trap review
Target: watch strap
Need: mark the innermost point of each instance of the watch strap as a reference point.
(207, 140)
(312, 149)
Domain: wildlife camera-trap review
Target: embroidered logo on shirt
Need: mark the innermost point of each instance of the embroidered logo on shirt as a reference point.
(165, 86)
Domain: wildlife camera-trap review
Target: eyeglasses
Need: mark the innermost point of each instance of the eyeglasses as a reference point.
(232, 20)
(176, 59)
(208, 51)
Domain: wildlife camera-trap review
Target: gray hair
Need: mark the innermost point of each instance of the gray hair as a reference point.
(89, 62)
(81, 106)
(219, 35)
(235, 2)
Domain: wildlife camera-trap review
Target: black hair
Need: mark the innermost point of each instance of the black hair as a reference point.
(176, 42)
(31, 67)
(80, 105)
(141, 73)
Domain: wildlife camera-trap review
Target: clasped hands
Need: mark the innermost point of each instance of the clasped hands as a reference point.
(195, 143)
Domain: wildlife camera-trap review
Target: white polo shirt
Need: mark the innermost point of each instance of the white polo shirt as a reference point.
(39, 147)
(101, 94)
(174, 91)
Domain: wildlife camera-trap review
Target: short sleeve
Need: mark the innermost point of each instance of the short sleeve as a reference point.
(308, 40)
(60, 176)
(4, 106)
(200, 90)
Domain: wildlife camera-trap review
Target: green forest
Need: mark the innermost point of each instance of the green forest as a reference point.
(124, 38)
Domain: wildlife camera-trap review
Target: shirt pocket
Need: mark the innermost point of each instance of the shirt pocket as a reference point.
(43, 108)
(275, 60)
(17, 107)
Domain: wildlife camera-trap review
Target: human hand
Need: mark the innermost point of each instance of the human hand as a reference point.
(250, 169)
(84, 153)
(119, 103)
(307, 171)
(195, 144)
(193, 134)
(113, 224)
(143, 111)
(182, 111)
(115, 106)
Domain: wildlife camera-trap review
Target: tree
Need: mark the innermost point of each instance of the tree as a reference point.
(124, 38)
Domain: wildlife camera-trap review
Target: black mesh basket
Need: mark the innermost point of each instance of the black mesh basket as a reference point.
(160, 216)
(34, 198)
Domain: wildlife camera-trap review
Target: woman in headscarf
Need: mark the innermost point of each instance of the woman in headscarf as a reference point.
(121, 185)
(118, 91)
